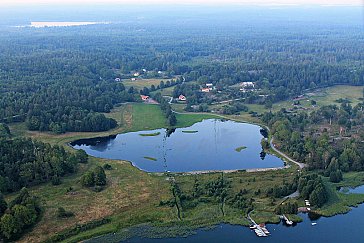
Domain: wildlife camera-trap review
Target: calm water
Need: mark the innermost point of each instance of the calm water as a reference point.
(212, 147)
(341, 228)
(359, 190)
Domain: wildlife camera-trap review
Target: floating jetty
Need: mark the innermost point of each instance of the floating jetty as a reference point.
(288, 222)
(259, 229)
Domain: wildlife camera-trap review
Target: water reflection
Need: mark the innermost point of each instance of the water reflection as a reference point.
(207, 145)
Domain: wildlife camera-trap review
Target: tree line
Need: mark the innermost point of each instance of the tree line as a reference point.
(25, 162)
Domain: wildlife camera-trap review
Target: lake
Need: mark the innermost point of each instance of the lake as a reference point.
(341, 228)
(205, 146)
(356, 190)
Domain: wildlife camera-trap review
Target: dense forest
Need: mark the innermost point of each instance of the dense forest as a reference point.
(61, 79)
(329, 139)
(18, 215)
(25, 162)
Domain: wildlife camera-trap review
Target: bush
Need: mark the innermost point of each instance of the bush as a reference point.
(107, 167)
(62, 213)
(77, 229)
(98, 188)
(56, 181)
(96, 177)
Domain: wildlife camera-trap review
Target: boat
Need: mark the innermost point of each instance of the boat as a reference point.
(265, 231)
(252, 226)
(314, 223)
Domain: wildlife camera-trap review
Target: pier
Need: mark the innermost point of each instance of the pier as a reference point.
(288, 222)
(259, 229)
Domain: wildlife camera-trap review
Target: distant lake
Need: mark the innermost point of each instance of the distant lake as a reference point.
(60, 24)
(207, 145)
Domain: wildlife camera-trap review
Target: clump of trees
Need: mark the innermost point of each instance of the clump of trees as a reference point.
(283, 190)
(26, 162)
(334, 149)
(4, 131)
(19, 215)
(234, 108)
(166, 109)
(287, 208)
(240, 201)
(62, 213)
(312, 187)
(94, 178)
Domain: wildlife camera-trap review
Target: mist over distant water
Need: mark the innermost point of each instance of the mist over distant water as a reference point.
(315, 15)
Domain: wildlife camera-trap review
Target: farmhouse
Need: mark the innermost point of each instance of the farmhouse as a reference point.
(247, 84)
(182, 98)
(205, 90)
(136, 74)
(117, 80)
(144, 97)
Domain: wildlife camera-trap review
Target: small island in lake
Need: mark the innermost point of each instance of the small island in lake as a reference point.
(149, 134)
(239, 149)
(190, 131)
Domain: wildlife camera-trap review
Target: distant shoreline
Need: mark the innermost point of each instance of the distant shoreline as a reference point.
(49, 24)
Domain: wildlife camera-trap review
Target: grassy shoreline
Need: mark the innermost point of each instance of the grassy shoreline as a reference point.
(132, 196)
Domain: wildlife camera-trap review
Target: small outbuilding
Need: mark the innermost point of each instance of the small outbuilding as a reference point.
(182, 98)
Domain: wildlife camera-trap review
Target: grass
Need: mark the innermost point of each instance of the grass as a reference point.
(239, 149)
(131, 197)
(326, 96)
(188, 119)
(149, 134)
(339, 202)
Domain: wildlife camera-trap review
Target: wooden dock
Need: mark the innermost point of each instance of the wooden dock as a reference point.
(288, 222)
(260, 230)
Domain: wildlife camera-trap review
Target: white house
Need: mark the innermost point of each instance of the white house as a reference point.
(247, 84)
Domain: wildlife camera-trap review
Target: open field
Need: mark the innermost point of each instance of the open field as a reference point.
(326, 96)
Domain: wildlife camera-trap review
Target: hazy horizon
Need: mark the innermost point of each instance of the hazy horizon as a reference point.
(21, 3)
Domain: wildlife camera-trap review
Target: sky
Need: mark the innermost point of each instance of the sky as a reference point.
(210, 2)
